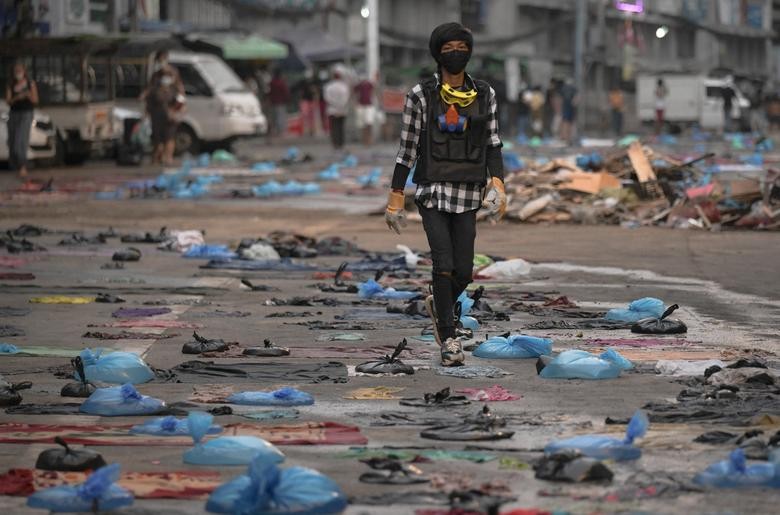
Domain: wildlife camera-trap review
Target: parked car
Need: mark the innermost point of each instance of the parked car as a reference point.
(43, 136)
(219, 107)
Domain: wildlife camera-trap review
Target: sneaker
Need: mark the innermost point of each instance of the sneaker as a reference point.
(452, 353)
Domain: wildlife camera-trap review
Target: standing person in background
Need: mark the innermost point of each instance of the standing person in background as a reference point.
(568, 110)
(727, 94)
(537, 105)
(365, 110)
(661, 92)
(308, 103)
(523, 111)
(554, 105)
(617, 105)
(164, 103)
(279, 97)
(336, 94)
(21, 95)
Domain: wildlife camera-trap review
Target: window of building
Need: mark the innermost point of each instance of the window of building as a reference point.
(98, 11)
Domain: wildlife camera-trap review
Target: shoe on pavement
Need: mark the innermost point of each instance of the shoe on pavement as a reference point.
(452, 353)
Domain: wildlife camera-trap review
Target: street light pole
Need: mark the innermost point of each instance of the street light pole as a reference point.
(372, 56)
(579, 50)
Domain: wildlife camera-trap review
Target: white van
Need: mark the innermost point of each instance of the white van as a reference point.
(43, 136)
(219, 107)
(692, 99)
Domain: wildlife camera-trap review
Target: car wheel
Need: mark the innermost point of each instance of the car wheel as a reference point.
(186, 141)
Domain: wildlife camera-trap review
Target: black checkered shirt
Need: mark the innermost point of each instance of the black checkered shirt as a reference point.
(451, 197)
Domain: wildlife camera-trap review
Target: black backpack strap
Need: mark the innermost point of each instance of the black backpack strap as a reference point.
(483, 94)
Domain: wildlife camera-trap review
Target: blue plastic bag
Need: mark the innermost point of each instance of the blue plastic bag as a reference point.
(515, 347)
(267, 489)
(615, 357)
(8, 348)
(116, 401)
(646, 307)
(578, 364)
(210, 252)
(226, 450)
(331, 173)
(99, 492)
(292, 153)
(169, 426)
(350, 161)
(264, 167)
(373, 290)
(115, 367)
(371, 179)
(282, 397)
(607, 447)
(736, 473)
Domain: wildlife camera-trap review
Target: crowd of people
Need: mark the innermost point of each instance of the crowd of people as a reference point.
(324, 102)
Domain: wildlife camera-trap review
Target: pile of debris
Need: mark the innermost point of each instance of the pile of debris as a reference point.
(638, 186)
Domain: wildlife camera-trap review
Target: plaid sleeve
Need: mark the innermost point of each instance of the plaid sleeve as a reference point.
(494, 140)
(411, 126)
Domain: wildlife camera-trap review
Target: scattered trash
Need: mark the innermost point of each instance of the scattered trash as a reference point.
(513, 347)
(373, 290)
(484, 426)
(391, 471)
(82, 388)
(685, 367)
(170, 426)
(440, 399)
(114, 367)
(660, 325)
(282, 397)
(67, 459)
(647, 307)
(569, 465)
(471, 371)
(389, 364)
(579, 364)
(201, 345)
(495, 393)
(606, 447)
(226, 450)
(267, 489)
(734, 472)
(268, 350)
(9, 392)
(209, 252)
(61, 299)
(98, 493)
(117, 401)
(510, 269)
(128, 254)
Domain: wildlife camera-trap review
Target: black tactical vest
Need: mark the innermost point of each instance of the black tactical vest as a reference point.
(447, 156)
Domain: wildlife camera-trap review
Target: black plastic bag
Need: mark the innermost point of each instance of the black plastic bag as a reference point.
(571, 466)
(268, 350)
(9, 392)
(201, 345)
(66, 459)
(387, 364)
(440, 399)
(107, 298)
(128, 254)
(660, 325)
(391, 471)
(484, 426)
(78, 388)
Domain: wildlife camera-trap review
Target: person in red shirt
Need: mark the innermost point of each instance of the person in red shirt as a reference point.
(365, 110)
(279, 96)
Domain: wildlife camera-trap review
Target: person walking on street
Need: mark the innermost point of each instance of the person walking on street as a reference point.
(308, 94)
(365, 110)
(728, 103)
(279, 97)
(617, 105)
(336, 94)
(164, 103)
(21, 95)
(661, 92)
(569, 110)
(449, 131)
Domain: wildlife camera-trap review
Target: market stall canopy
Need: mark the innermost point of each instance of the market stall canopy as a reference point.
(316, 45)
(249, 47)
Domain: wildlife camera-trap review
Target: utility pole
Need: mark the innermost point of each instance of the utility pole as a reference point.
(372, 55)
(579, 51)
(601, 53)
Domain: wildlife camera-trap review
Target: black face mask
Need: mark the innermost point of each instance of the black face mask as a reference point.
(454, 61)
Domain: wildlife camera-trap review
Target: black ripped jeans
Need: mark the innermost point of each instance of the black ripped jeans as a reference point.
(451, 238)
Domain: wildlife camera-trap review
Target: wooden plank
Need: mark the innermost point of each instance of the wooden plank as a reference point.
(642, 167)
